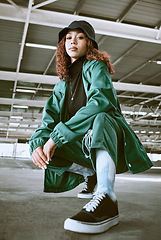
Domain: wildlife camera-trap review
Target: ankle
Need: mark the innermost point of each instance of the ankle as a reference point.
(112, 195)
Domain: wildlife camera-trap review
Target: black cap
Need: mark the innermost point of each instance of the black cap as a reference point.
(85, 26)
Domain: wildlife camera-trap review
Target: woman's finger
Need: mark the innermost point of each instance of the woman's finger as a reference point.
(35, 161)
(41, 154)
(49, 149)
(45, 152)
(39, 158)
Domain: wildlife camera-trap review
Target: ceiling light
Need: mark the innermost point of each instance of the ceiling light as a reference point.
(14, 124)
(157, 132)
(136, 131)
(20, 106)
(154, 61)
(25, 90)
(19, 117)
(134, 113)
(143, 131)
(151, 132)
(34, 45)
(155, 115)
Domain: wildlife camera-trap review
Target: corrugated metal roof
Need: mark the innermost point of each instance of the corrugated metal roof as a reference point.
(145, 13)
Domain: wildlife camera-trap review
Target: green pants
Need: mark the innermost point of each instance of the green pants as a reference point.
(106, 134)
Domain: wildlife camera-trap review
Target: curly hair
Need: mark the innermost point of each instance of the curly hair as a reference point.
(63, 60)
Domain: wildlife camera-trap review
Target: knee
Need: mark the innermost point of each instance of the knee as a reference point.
(99, 122)
(100, 117)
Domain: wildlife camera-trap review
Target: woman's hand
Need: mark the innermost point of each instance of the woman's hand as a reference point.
(39, 158)
(49, 149)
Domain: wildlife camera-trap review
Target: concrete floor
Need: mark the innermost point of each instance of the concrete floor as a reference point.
(28, 213)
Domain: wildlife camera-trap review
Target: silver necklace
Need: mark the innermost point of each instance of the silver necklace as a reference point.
(72, 94)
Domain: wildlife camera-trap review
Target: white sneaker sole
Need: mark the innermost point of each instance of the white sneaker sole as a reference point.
(81, 195)
(85, 227)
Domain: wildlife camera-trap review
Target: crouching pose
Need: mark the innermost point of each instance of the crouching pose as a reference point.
(84, 136)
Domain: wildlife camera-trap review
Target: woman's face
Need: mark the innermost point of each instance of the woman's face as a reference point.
(75, 44)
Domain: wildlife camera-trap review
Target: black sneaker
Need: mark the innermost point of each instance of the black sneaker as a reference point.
(97, 216)
(88, 190)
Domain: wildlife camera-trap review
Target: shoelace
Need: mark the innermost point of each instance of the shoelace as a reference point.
(85, 184)
(93, 204)
(86, 143)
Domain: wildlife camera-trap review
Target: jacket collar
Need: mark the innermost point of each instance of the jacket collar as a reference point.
(87, 64)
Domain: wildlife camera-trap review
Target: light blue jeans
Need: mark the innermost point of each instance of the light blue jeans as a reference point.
(105, 170)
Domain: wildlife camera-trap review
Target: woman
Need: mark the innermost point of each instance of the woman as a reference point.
(84, 134)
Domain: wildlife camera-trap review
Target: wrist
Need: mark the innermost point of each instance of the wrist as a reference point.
(53, 143)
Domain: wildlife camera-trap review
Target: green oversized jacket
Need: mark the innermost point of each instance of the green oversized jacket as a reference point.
(101, 97)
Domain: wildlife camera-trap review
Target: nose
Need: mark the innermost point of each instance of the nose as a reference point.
(73, 40)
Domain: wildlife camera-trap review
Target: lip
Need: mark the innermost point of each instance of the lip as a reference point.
(73, 48)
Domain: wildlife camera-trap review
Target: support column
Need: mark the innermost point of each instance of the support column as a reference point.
(14, 149)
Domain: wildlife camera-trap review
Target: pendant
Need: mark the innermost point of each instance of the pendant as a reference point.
(72, 98)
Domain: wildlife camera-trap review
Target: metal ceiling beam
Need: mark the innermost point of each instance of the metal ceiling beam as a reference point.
(19, 133)
(40, 88)
(149, 100)
(146, 122)
(23, 114)
(14, 4)
(30, 103)
(153, 143)
(136, 108)
(30, 122)
(38, 116)
(8, 140)
(146, 100)
(60, 20)
(147, 129)
(27, 77)
(158, 25)
(135, 45)
(134, 127)
(41, 104)
(156, 98)
(136, 87)
(44, 73)
(43, 4)
(157, 108)
(17, 128)
(78, 7)
(127, 10)
(27, 121)
(126, 53)
(101, 40)
(50, 62)
(36, 78)
(140, 67)
(120, 19)
(152, 77)
(139, 97)
(134, 71)
(142, 122)
(21, 50)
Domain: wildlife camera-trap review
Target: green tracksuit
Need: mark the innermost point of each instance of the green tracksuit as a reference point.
(102, 114)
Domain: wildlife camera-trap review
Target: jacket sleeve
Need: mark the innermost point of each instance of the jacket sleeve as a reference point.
(100, 98)
(50, 118)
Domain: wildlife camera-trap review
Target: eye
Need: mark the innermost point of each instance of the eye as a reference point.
(68, 37)
(80, 37)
